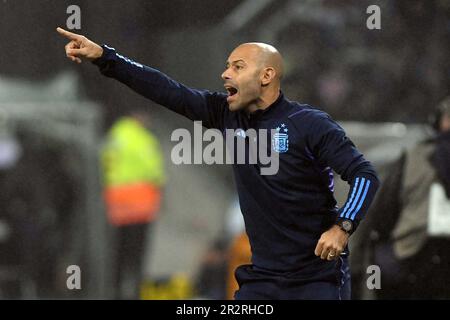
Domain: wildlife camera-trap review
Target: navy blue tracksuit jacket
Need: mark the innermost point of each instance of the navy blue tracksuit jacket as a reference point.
(286, 213)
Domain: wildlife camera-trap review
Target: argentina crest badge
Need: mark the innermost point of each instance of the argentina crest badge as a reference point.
(280, 140)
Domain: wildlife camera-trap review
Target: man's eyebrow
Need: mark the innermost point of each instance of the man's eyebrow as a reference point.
(235, 61)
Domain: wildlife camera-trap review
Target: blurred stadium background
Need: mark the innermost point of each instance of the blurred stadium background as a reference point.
(381, 85)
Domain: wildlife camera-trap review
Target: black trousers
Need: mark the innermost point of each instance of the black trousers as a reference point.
(283, 288)
(131, 248)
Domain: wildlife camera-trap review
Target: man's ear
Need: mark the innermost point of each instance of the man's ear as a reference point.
(267, 76)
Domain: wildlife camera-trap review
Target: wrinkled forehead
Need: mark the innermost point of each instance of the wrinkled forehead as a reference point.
(247, 54)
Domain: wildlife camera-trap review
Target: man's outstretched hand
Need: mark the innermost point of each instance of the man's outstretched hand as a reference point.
(80, 47)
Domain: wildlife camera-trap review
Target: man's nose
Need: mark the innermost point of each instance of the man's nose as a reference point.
(225, 75)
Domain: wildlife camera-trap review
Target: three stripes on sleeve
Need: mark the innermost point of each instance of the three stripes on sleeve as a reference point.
(361, 195)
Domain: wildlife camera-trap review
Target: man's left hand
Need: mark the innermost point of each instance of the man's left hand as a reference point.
(331, 243)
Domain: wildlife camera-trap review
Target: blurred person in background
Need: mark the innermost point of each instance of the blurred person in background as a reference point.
(239, 253)
(216, 278)
(238, 246)
(412, 227)
(37, 202)
(212, 274)
(133, 177)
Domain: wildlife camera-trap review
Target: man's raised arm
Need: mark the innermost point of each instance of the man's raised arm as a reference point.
(197, 105)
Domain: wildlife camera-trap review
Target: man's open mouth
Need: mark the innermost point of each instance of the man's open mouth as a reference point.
(231, 90)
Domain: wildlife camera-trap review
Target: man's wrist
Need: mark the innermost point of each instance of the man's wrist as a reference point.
(346, 225)
(99, 56)
(99, 53)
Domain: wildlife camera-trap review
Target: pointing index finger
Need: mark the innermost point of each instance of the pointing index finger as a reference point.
(67, 34)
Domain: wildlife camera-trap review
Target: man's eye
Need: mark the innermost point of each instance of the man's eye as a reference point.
(239, 67)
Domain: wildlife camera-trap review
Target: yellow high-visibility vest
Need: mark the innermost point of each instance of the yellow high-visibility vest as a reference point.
(132, 154)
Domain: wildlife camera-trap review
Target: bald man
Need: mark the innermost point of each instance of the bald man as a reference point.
(297, 234)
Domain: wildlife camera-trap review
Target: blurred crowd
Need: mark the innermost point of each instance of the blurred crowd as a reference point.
(397, 73)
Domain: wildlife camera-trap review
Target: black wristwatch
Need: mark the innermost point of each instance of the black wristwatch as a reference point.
(346, 225)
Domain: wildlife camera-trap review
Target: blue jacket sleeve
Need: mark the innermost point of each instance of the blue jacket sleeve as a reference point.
(197, 105)
(328, 141)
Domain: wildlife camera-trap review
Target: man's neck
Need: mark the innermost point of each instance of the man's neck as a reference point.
(265, 101)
